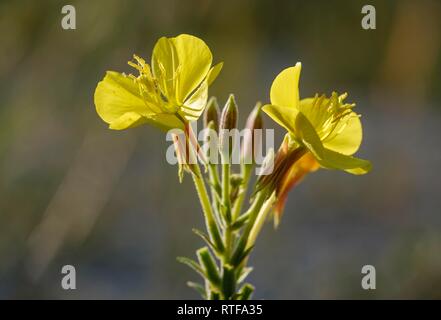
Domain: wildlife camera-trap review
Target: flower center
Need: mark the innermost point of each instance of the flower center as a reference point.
(156, 92)
(330, 116)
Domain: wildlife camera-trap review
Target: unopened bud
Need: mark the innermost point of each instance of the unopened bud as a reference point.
(228, 124)
(211, 113)
(285, 158)
(251, 145)
(229, 114)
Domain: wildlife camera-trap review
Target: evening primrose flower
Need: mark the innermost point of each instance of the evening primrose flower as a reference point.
(322, 132)
(327, 128)
(169, 93)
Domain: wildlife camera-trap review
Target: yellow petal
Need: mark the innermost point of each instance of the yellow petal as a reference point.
(349, 139)
(285, 88)
(214, 72)
(327, 158)
(335, 160)
(195, 59)
(195, 105)
(284, 116)
(345, 138)
(117, 95)
(164, 65)
(127, 120)
(165, 121)
(315, 110)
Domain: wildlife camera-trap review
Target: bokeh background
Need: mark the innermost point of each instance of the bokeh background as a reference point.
(74, 192)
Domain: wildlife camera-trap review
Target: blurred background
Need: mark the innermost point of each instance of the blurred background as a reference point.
(74, 192)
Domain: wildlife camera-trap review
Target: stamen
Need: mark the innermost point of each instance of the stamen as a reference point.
(164, 80)
(176, 77)
(134, 65)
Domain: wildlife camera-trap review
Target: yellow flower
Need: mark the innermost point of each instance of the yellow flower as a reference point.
(168, 94)
(327, 128)
(322, 132)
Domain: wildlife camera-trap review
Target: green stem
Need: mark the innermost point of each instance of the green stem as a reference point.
(243, 240)
(226, 192)
(214, 178)
(246, 174)
(230, 253)
(226, 206)
(206, 207)
(215, 189)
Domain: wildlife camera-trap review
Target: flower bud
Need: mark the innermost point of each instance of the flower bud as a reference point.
(250, 145)
(229, 114)
(228, 123)
(304, 165)
(211, 113)
(286, 156)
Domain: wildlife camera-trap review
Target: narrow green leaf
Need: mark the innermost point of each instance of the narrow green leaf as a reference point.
(209, 266)
(198, 287)
(207, 240)
(244, 273)
(192, 264)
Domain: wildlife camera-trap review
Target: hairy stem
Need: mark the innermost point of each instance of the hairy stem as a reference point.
(210, 220)
(226, 203)
(253, 211)
(246, 174)
(226, 206)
